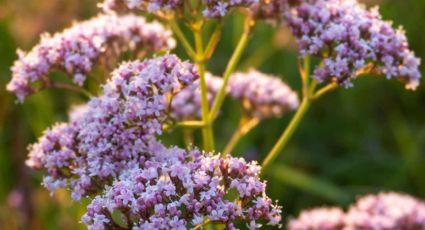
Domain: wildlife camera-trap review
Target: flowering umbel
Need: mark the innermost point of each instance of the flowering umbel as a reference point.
(352, 40)
(318, 219)
(110, 147)
(115, 130)
(152, 6)
(186, 105)
(209, 8)
(77, 49)
(110, 150)
(261, 95)
(184, 190)
(385, 211)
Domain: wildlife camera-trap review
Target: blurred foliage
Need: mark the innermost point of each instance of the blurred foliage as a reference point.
(366, 139)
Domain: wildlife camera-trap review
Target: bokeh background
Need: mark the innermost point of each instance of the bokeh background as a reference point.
(363, 140)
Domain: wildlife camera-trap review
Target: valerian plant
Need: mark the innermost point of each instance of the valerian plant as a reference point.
(110, 149)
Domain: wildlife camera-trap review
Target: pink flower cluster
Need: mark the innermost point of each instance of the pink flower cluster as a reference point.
(273, 10)
(387, 211)
(77, 49)
(384, 211)
(318, 219)
(220, 8)
(348, 38)
(109, 147)
(186, 105)
(261, 95)
(211, 8)
(183, 190)
(152, 6)
(115, 130)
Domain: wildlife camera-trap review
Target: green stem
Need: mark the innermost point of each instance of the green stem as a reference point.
(324, 90)
(191, 124)
(212, 44)
(182, 38)
(237, 135)
(243, 129)
(307, 89)
(57, 85)
(207, 132)
(289, 131)
(229, 70)
(184, 124)
(188, 137)
(200, 226)
(304, 71)
(287, 134)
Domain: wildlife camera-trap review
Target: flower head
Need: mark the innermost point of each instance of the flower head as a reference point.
(261, 95)
(115, 131)
(386, 211)
(381, 211)
(210, 8)
(77, 49)
(351, 40)
(186, 105)
(273, 10)
(152, 6)
(184, 188)
(318, 219)
(220, 8)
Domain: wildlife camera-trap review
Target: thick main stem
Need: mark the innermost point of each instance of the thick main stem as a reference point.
(207, 132)
(287, 134)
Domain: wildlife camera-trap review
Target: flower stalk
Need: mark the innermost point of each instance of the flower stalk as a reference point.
(182, 38)
(309, 96)
(207, 132)
(234, 60)
(287, 134)
(245, 126)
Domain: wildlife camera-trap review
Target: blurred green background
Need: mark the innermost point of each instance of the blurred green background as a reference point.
(366, 139)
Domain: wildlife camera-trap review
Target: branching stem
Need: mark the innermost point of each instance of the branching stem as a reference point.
(231, 67)
(182, 38)
(200, 226)
(309, 95)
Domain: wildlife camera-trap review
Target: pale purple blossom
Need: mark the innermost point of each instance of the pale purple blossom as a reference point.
(383, 211)
(273, 10)
(210, 8)
(77, 112)
(186, 105)
(151, 6)
(351, 39)
(220, 8)
(262, 95)
(318, 219)
(76, 50)
(115, 130)
(386, 211)
(176, 199)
